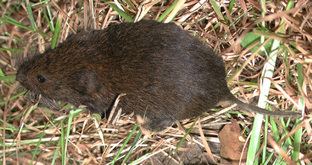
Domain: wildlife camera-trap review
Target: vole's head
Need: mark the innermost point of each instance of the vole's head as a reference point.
(59, 74)
(47, 74)
(35, 75)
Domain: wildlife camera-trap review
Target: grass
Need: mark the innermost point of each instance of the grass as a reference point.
(266, 47)
(267, 75)
(124, 15)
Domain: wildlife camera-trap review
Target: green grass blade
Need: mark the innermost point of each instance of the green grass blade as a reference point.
(298, 134)
(217, 9)
(167, 11)
(65, 135)
(57, 32)
(275, 131)
(9, 20)
(56, 153)
(176, 7)
(133, 130)
(37, 147)
(30, 14)
(136, 139)
(181, 141)
(267, 74)
(254, 140)
(8, 127)
(8, 78)
(123, 14)
(12, 50)
(231, 5)
(48, 15)
(62, 143)
(15, 96)
(265, 138)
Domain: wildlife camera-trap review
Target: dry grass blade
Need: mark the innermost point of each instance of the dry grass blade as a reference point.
(175, 10)
(112, 113)
(280, 151)
(144, 9)
(207, 148)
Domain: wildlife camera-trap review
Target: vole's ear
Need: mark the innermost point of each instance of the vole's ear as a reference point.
(86, 82)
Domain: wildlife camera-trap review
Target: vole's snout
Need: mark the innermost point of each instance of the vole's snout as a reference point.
(20, 77)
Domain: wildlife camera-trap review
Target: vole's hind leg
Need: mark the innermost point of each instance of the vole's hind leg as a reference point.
(155, 123)
(224, 103)
(227, 100)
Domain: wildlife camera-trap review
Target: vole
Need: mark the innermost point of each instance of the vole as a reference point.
(166, 73)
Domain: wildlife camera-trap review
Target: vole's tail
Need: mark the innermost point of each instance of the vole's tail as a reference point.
(251, 108)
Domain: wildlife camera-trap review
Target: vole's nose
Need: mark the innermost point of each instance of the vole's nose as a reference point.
(20, 77)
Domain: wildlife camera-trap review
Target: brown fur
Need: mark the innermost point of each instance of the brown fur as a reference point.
(166, 73)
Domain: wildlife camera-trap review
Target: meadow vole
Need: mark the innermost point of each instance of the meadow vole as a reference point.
(166, 73)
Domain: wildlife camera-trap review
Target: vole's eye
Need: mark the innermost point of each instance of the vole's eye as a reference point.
(40, 78)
